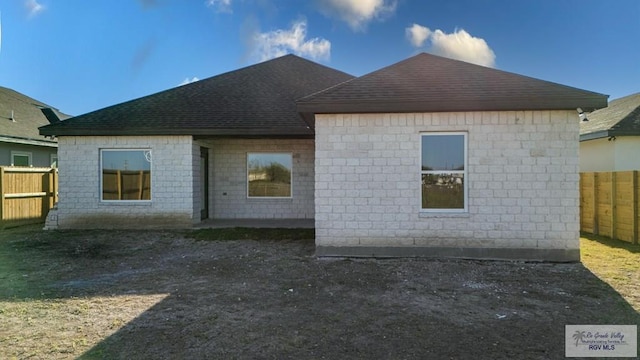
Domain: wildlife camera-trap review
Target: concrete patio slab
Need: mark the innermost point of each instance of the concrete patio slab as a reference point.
(256, 223)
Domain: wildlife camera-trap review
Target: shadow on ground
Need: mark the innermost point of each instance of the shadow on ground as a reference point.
(612, 243)
(274, 299)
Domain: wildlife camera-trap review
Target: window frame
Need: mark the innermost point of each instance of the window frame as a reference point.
(52, 162)
(290, 154)
(465, 183)
(127, 201)
(28, 154)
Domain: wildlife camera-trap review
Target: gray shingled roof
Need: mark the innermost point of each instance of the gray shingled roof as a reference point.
(621, 118)
(27, 117)
(429, 83)
(258, 100)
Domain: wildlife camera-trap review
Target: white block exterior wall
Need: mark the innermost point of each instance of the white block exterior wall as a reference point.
(228, 179)
(522, 176)
(605, 155)
(172, 184)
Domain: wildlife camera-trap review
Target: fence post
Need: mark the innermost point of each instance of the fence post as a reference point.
(634, 206)
(119, 184)
(55, 186)
(140, 184)
(613, 204)
(596, 227)
(580, 202)
(50, 189)
(1, 193)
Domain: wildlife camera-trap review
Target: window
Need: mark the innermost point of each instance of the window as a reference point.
(269, 175)
(126, 174)
(20, 158)
(54, 160)
(443, 172)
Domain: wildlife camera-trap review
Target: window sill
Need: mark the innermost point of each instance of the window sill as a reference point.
(257, 199)
(434, 214)
(125, 203)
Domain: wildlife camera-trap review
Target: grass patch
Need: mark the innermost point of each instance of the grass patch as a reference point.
(65, 328)
(614, 262)
(243, 233)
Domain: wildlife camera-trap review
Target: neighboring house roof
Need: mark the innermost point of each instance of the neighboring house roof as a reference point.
(21, 116)
(429, 83)
(258, 100)
(621, 118)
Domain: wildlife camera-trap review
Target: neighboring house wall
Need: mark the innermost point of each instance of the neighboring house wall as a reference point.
(627, 153)
(228, 179)
(172, 184)
(40, 155)
(522, 186)
(604, 155)
(596, 155)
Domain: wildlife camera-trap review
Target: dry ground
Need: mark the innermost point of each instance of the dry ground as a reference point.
(166, 295)
(616, 263)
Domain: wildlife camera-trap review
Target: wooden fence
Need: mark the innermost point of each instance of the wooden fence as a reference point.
(27, 194)
(609, 204)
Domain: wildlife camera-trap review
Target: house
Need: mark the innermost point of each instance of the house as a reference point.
(173, 158)
(426, 157)
(437, 157)
(20, 142)
(610, 139)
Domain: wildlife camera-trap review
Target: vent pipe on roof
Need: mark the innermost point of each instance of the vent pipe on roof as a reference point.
(12, 118)
(50, 115)
(582, 115)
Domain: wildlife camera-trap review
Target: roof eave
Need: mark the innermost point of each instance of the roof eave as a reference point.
(368, 106)
(608, 133)
(141, 131)
(28, 141)
(594, 135)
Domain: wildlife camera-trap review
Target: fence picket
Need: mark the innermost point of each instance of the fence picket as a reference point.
(634, 210)
(1, 193)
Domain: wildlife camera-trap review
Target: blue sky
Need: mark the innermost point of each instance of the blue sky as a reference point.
(80, 55)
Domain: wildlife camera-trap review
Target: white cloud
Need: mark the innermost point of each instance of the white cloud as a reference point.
(358, 13)
(33, 7)
(458, 45)
(277, 43)
(188, 81)
(222, 6)
(417, 34)
(462, 46)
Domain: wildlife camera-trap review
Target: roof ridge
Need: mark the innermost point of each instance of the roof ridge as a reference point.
(261, 96)
(488, 68)
(213, 77)
(427, 82)
(23, 98)
(325, 90)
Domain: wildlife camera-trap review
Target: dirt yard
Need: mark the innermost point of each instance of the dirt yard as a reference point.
(165, 295)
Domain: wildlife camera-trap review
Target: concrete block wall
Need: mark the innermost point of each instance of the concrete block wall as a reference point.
(522, 176)
(80, 204)
(228, 179)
